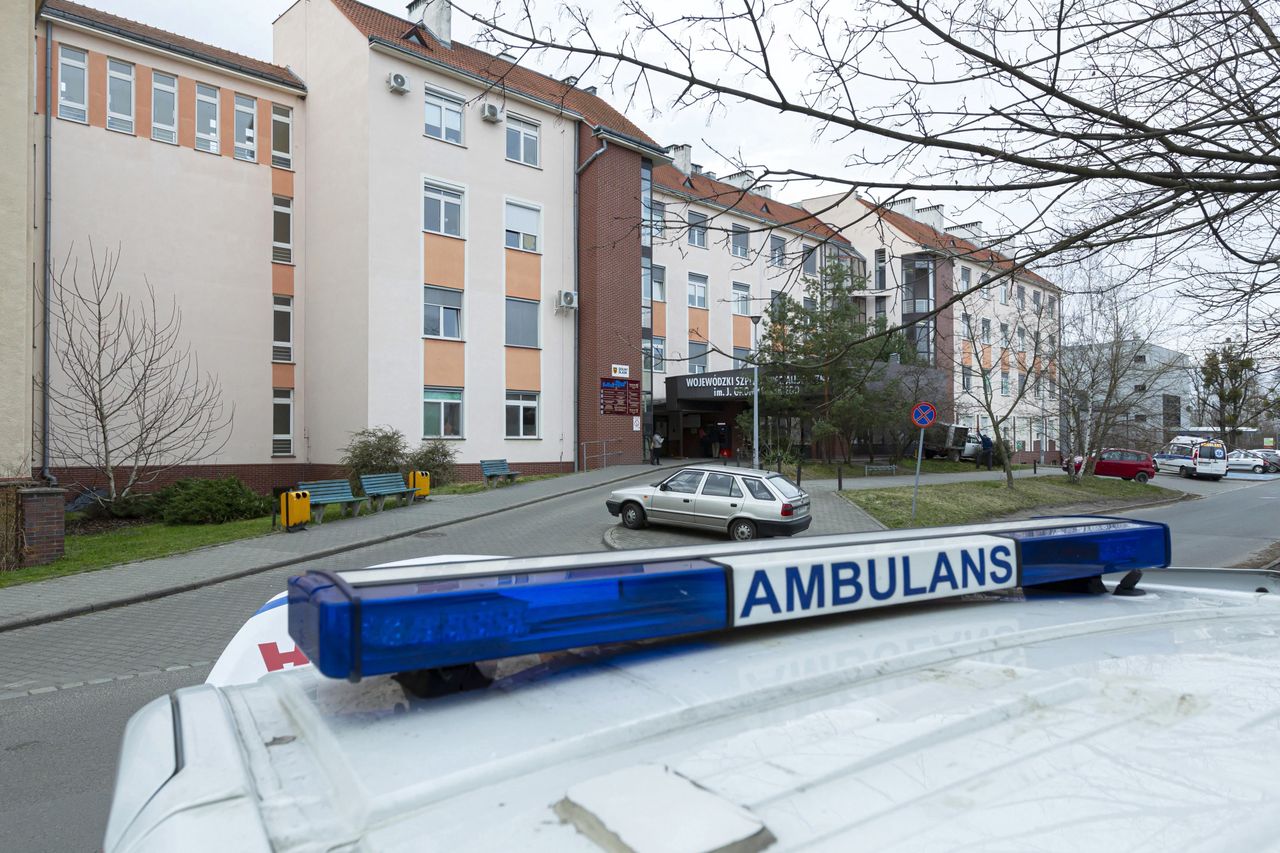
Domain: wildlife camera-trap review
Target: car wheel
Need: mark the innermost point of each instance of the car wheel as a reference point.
(1257, 469)
(742, 530)
(632, 516)
(1184, 472)
(1141, 477)
(1216, 479)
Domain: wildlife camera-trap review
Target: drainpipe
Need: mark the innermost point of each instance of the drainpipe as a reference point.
(577, 383)
(45, 473)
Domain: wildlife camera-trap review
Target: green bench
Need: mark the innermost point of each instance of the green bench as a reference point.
(495, 468)
(325, 492)
(868, 470)
(383, 486)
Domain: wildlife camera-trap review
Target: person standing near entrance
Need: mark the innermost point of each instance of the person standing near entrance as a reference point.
(655, 447)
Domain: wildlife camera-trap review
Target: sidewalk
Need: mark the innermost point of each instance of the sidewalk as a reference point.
(59, 598)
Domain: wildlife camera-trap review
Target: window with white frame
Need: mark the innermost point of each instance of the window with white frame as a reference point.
(207, 118)
(524, 225)
(810, 263)
(441, 210)
(740, 241)
(658, 283)
(697, 230)
(73, 86)
(522, 140)
(658, 218)
(741, 298)
(881, 269)
(282, 422)
(1022, 297)
(522, 414)
(442, 413)
(441, 312)
(164, 108)
(1004, 293)
(741, 357)
(282, 328)
(119, 96)
(281, 137)
(443, 116)
(966, 327)
(1022, 339)
(966, 278)
(966, 378)
(882, 307)
(986, 331)
(1004, 383)
(697, 357)
(1035, 301)
(658, 346)
(522, 323)
(1050, 306)
(697, 290)
(282, 230)
(246, 121)
(1004, 335)
(777, 250)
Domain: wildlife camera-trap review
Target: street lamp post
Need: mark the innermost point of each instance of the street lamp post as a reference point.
(755, 393)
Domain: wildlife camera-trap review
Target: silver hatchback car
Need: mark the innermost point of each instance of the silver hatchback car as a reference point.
(742, 502)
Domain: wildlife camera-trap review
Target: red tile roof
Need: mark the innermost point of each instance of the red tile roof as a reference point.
(375, 23)
(931, 238)
(728, 196)
(86, 16)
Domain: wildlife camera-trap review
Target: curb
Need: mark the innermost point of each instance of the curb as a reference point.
(151, 595)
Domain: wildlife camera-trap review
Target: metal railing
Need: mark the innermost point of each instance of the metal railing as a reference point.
(603, 454)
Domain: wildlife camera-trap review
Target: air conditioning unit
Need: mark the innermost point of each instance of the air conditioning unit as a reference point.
(491, 113)
(397, 83)
(567, 299)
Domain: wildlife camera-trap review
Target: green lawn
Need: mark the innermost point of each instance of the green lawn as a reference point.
(963, 503)
(86, 552)
(827, 471)
(475, 488)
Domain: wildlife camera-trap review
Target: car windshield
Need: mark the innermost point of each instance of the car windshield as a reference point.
(785, 487)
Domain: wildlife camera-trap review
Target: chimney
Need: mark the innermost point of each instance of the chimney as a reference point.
(742, 180)
(570, 80)
(710, 174)
(435, 15)
(971, 231)
(590, 90)
(905, 206)
(764, 190)
(681, 156)
(931, 216)
(695, 168)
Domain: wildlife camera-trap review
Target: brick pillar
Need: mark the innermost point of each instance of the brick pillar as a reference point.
(609, 287)
(43, 524)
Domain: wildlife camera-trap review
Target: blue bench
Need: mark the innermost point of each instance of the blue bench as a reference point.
(383, 486)
(495, 468)
(325, 492)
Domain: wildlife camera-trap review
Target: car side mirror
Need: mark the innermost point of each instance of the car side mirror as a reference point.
(662, 487)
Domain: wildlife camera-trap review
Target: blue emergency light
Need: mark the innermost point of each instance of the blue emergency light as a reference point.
(389, 620)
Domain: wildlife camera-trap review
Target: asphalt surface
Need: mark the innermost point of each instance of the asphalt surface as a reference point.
(58, 748)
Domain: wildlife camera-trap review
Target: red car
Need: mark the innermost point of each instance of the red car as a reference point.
(1126, 464)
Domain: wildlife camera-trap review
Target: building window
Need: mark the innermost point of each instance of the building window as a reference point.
(246, 121)
(523, 227)
(207, 118)
(442, 210)
(697, 357)
(810, 262)
(282, 230)
(119, 96)
(522, 141)
(282, 422)
(164, 108)
(1139, 359)
(1035, 301)
(741, 298)
(966, 278)
(522, 323)
(986, 331)
(740, 241)
(441, 312)
(882, 307)
(697, 230)
(442, 413)
(1004, 335)
(1022, 297)
(72, 88)
(281, 137)
(444, 116)
(659, 348)
(1004, 383)
(1004, 293)
(282, 328)
(966, 378)
(1022, 339)
(522, 414)
(882, 269)
(777, 250)
(1050, 306)
(741, 358)
(653, 283)
(697, 290)
(658, 218)
(966, 327)
(1140, 388)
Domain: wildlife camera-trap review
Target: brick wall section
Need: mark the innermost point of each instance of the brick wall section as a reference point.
(43, 525)
(609, 287)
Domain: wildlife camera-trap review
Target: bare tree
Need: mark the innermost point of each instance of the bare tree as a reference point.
(133, 403)
(1153, 126)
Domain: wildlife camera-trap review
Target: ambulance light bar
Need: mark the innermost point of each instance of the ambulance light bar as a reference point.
(380, 621)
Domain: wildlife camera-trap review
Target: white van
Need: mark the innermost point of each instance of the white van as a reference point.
(1193, 456)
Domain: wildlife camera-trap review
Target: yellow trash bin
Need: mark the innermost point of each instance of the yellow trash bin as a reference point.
(420, 480)
(295, 509)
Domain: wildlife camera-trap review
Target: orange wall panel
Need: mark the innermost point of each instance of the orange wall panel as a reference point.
(443, 260)
(986, 356)
(966, 353)
(741, 331)
(282, 279)
(186, 112)
(699, 323)
(282, 182)
(443, 363)
(226, 122)
(524, 369)
(142, 101)
(97, 89)
(659, 319)
(524, 275)
(262, 131)
(282, 376)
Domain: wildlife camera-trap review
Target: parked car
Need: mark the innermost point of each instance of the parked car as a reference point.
(1270, 455)
(972, 447)
(1194, 457)
(1125, 464)
(743, 502)
(1251, 461)
(946, 440)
